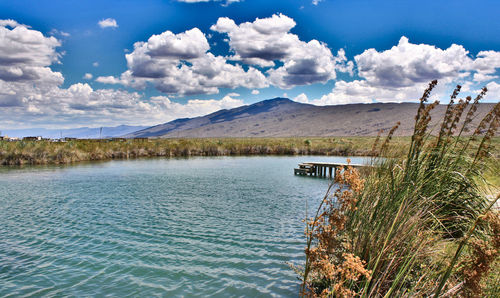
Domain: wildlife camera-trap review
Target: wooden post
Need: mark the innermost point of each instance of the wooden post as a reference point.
(330, 172)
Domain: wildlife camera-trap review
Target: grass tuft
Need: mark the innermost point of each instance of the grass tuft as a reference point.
(417, 225)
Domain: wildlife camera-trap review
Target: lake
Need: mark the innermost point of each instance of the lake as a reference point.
(223, 226)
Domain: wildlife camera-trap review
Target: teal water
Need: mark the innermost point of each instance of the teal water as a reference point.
(222, 226)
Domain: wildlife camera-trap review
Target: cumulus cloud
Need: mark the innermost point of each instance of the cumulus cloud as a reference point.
(181, 64)
(267, 41)
(9, 23)
(25, 55)
(403, 72)
(80, 104)
(194, 107)
(108, 80)
(302, 98)
(493, 91)
(406, 64)
(108, 23)
(31, 93)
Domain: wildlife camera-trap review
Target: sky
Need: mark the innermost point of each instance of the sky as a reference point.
(68, 63)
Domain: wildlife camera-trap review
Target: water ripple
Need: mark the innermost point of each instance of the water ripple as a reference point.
(197, 227)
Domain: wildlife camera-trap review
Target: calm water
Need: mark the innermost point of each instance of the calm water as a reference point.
(167, 227)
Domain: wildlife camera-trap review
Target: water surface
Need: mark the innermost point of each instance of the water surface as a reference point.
(171, 227)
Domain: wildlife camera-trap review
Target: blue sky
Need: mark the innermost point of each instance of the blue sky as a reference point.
(60, 68)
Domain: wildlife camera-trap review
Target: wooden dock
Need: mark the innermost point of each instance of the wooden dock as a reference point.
(322, 169)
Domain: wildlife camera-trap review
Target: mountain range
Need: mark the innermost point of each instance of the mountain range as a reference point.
(282, 117)
(278, 117)
(80, 133)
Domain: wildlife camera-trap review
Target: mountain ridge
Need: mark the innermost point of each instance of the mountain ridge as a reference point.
(282, 117)
(79, 132)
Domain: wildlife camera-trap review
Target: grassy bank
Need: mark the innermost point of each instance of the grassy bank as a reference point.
(45, 152)
(418, 225)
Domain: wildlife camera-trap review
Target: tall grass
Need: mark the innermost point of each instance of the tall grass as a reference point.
(418, 225)
(45, 152)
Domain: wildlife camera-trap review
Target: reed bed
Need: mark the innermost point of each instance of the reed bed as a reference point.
(46, 152)
(416, 225)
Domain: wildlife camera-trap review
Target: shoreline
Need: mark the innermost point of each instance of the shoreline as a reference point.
(45, 152)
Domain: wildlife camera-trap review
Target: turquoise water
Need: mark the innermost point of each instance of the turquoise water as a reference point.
(171, 227)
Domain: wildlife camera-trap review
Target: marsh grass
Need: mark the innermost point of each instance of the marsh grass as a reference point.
(417, 225)
(45, 152)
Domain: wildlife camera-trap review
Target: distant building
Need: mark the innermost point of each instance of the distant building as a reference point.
(32, 138)
(70, 139)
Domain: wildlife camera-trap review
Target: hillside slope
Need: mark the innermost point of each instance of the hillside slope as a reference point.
(281, 117)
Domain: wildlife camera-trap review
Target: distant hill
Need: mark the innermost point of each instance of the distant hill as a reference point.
(81, 133)
(281, 117)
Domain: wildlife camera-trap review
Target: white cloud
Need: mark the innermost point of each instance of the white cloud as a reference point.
(493, 91)
(95, 64)
(108, 80)
(10, 23)
(402, 73)
(482, 77)
(194, 107)
(406, 64)
(268, 40)
(225, 2)
(60, 33)
(30, 92)
(360, 91)
(316, 2)
(180, 64)
(302, 98)
(108, 23)
(80, 104)
(486, 64)
(25, 55)
(88, 76)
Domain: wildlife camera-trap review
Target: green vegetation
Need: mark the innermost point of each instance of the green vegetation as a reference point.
(422, 224)
(45, 152)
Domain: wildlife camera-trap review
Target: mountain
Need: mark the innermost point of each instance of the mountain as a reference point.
(81, 132)
(281, 117)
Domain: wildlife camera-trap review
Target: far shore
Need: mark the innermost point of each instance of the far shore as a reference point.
(42, 152)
